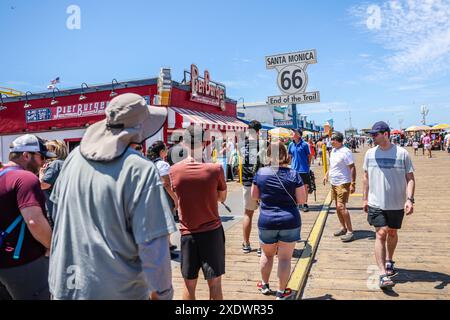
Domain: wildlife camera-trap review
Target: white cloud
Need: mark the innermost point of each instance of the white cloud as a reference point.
(416, 34)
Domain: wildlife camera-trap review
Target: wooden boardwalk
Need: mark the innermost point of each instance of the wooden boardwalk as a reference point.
(349, 271)
(242, 270)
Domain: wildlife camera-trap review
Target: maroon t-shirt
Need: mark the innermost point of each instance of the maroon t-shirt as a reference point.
(196, 185)
(19, 189)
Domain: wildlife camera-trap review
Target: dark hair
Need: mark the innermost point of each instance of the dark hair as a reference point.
(299, 131)
(155, 149)
(339, 137)
(255, 125)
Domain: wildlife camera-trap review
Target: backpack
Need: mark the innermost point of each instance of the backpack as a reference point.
(13, 225)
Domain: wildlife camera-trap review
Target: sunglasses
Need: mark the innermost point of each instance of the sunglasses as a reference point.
(376, 134)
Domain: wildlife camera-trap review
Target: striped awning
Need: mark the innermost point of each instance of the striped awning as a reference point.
(183, 118)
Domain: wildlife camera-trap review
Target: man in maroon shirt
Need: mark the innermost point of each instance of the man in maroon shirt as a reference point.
(199, 187)
(25, 233)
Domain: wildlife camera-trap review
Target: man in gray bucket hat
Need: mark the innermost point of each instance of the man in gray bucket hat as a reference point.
(112, 218)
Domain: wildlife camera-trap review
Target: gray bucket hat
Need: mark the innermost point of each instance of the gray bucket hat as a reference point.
(128, 120)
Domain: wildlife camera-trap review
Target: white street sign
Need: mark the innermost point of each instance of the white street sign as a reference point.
(307, 97)
(292, 77)
(279, 60)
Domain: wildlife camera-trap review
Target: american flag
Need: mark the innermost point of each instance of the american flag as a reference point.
(53, 83)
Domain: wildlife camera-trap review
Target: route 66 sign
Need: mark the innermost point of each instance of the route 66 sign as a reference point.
(292, 77)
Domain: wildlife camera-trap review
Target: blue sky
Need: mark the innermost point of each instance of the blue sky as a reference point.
(381, 69)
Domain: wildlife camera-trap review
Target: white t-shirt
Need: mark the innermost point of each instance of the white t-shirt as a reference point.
(163, 168)
(387, 177)
(340, 173)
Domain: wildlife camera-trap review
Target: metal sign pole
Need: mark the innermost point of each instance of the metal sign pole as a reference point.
(294, 116)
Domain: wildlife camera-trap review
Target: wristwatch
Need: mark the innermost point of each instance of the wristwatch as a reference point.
(411, 199)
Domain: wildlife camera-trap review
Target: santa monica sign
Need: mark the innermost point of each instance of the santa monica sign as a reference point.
(292, 78)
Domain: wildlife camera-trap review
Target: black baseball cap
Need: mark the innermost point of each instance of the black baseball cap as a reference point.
(380, 126)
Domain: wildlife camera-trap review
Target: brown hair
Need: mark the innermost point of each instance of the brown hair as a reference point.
(283, 158)
(58, 147)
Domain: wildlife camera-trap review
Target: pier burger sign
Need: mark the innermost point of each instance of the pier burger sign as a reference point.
(292, 77)
(205, 91)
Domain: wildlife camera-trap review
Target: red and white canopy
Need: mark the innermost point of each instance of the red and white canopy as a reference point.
(183, 118)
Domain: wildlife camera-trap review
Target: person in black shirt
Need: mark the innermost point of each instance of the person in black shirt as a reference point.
(251, 162)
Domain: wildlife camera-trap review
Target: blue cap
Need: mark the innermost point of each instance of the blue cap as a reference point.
(380, 126)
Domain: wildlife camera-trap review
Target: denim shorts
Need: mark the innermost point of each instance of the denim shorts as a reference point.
(273, 236)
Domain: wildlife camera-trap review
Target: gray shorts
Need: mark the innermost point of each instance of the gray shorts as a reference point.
(249, 203)
(27, 282)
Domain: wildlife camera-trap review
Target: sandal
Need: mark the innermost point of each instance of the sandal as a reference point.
(386, 282)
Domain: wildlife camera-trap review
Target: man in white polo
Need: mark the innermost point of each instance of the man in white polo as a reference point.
(342, 175)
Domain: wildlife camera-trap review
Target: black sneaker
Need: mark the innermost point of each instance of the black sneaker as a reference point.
(390, 269)
(305, 208)
(246, 248)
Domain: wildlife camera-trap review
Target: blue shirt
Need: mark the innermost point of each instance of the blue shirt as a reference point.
(300, 156)
(278, 210)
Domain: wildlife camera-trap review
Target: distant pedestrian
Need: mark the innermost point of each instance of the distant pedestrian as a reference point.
(342, 176)
(319, 150)
(280, 190)
(25, 234)
(113, 221)
(200, 187)
(312, 150)
(388, 194)
(415, 147)
(426, 141)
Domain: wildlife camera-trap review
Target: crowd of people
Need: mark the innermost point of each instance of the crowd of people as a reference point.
(96, 223)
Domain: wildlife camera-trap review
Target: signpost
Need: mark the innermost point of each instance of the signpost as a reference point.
(292, 80)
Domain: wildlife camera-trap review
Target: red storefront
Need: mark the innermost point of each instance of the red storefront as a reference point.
(66, 114)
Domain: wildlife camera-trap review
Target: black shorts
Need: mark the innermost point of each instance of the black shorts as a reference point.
(382, 218)
(205, 250)
(306, 178)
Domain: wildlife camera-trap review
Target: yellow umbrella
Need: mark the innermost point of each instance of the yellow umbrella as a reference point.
(410, 129)
(441, 126)
(281, 133)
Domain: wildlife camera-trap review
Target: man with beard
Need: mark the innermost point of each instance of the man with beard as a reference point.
(25, 233)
